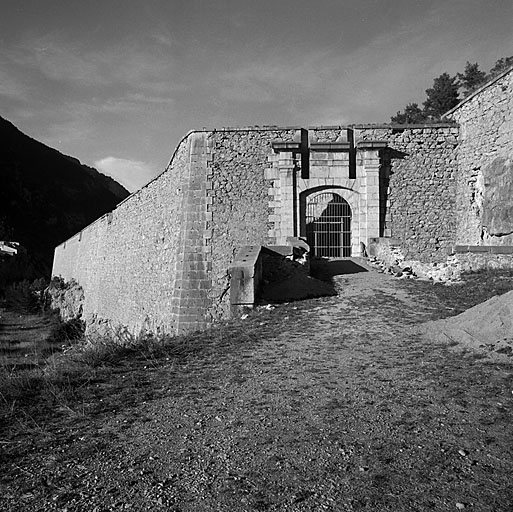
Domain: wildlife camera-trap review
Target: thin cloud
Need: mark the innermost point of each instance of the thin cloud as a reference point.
(134, 66)
(266, 79)
(57, 61)
(11, 88)
(132, 174)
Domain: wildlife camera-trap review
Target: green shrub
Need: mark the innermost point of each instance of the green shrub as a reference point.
(25, 297)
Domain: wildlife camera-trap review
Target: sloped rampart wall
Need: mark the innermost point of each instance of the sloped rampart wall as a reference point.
(145, 265)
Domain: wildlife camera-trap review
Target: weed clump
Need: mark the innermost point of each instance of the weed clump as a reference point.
(67, 332)
(26, 297)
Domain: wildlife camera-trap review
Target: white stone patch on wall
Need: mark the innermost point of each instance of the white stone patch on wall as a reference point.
(486, 139)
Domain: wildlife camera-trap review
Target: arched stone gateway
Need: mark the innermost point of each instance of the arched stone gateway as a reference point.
(328, 225)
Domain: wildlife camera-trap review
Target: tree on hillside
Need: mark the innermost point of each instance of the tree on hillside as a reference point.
(500, 66)
(471, 79)
(441, 97)
(444, 94)
(412, 114)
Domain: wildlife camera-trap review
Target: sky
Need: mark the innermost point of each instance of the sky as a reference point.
(118, 83)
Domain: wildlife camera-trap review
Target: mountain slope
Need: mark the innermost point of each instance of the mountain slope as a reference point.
(45, 197)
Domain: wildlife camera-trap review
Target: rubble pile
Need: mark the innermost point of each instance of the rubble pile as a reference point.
(438, 272)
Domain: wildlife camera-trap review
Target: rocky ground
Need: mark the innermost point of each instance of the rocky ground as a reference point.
(335, 404)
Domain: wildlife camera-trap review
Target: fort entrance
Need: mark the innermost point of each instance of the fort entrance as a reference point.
(330, 193)
(328, 225)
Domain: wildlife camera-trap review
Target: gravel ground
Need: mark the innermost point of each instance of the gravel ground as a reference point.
(334, 404)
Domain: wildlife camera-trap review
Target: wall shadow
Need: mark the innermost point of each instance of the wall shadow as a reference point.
(326, 270)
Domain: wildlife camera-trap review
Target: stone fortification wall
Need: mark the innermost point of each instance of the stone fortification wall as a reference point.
(417, 181)
(241, 206)
(144, 266)
(159, 262)
(485, 161)
(418, 186)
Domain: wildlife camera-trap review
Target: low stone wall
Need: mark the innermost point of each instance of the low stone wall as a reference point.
(459, 259)
(245, 279)
(257, 266)
(474, 258)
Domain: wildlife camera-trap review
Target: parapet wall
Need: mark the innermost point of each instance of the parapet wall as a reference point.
(485, 161)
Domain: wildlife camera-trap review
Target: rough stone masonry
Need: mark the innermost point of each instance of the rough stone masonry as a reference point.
(159, 262)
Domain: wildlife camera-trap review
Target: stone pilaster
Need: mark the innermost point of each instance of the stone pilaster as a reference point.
(370, 162)
(193, 267)
(284, 192)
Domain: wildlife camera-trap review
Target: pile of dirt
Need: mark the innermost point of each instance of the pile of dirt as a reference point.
(487, 327)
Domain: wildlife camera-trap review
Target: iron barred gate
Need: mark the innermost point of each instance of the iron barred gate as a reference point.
(328, 225)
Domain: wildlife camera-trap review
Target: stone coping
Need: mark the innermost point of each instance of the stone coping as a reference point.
(478, 91)
(355, 126)
(247, 256)
(481, 249)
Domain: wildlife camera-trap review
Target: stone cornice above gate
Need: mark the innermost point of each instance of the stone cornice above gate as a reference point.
(371, 144)
(330, 146)
(293, 146)
(279, 145)
(282, 146)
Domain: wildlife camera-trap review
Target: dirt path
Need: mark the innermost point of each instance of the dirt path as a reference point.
(332, 404)
(23, 337)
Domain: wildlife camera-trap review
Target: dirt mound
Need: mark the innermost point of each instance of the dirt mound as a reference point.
(297, 287)
(487, 327)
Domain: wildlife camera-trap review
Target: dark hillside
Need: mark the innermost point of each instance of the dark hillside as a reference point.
(45, 197)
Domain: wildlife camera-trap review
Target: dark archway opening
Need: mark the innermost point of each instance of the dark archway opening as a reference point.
(328, 225)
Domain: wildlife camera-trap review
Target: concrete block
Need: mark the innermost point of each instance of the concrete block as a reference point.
(246, 274)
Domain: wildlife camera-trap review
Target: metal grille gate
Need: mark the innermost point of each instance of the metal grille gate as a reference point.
(328, 225)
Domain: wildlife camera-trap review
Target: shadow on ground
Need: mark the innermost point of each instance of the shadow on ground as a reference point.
(320, 282)
(326, 270)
